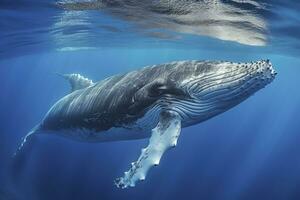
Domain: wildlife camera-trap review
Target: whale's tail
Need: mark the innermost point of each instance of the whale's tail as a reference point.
(22, 154)
(27, 137)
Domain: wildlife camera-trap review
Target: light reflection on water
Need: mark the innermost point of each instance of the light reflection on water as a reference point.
(210, 18)
(71, 24)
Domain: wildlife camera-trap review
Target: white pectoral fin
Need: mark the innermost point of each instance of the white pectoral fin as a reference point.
(164, 136)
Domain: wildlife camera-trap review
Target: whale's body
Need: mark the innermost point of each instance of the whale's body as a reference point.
(154, 101)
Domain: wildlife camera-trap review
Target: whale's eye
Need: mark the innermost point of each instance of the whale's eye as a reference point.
(157, 90)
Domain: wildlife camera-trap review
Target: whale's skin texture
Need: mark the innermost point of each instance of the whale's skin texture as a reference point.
(127, 106)
(155, 101)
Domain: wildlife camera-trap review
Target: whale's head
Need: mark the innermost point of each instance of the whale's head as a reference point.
(205, 89)
(199, 90)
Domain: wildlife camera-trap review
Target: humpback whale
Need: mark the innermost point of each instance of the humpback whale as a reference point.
(153, 102)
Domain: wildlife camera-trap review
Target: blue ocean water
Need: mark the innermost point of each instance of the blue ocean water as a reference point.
(249, 152)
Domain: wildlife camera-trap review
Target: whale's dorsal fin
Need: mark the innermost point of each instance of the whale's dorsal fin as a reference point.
(77, 81)
(164, 136)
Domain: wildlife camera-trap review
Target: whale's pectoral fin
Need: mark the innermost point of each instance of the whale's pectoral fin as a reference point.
(77, 81)
(164, 136)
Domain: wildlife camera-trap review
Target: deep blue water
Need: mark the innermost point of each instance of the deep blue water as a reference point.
(250, 152)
